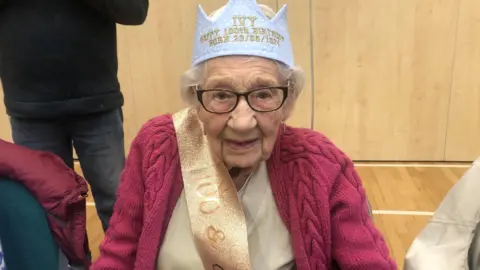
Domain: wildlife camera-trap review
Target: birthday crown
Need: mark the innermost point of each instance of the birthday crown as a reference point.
(242, 28)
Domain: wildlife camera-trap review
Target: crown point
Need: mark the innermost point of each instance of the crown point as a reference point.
(242, 28)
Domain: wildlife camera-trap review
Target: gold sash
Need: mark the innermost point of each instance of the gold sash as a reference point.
(216, 215)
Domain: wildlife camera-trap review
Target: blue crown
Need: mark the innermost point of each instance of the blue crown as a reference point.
(241, 28)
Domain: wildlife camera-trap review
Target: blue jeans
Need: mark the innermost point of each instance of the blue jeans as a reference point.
(98, 140)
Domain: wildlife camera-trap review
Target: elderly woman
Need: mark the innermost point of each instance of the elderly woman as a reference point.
(225, 183)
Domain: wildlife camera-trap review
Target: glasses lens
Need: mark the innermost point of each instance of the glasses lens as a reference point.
(219, 100)
(266, 99)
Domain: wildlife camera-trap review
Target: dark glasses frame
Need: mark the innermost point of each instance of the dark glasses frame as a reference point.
(201, 91)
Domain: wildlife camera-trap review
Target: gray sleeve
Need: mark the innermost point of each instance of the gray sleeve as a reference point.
(474, 251)
(448, 241)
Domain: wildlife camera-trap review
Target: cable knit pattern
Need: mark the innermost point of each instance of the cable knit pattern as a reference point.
(318, 193)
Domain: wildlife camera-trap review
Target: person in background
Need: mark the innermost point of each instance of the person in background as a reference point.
(39, 195)
(451, 239)
(225, 184)
(58, 67)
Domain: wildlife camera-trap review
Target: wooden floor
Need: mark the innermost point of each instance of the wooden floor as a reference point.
(403, 198)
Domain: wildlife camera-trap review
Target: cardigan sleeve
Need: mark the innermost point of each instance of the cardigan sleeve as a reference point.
(126, 12)
(356, 243)
(119, 247)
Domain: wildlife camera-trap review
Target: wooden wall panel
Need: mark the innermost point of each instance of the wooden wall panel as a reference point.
(299, 27)
(389, 80)
(463, 134)
(382, 75)
(5, 130)
(151, 58)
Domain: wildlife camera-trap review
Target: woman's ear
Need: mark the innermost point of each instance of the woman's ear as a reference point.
(190, 95)
(289, 105)
(287, 111)
(198, 107)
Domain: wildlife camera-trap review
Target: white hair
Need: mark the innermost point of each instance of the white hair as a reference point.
(196, 75)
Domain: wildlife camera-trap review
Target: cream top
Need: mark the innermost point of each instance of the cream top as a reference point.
(268, 238)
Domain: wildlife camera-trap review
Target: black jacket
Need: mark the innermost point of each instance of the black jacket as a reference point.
(59, 57)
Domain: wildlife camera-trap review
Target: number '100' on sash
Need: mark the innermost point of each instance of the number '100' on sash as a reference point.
(216, 216)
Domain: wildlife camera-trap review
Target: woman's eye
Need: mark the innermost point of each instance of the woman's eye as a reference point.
(263, 95)
(221, 96)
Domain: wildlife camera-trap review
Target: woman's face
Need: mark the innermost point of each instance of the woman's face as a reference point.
(241, 138)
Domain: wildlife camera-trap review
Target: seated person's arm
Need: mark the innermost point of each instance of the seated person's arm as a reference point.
(127, 12)
(356, 243)
(119, 248)
(450, 239)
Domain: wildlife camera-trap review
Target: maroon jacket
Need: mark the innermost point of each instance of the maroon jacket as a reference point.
(59, 190)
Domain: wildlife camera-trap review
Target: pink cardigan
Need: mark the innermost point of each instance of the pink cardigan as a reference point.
(318, 193)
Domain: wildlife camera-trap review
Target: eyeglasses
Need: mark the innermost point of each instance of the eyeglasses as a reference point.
(264, 99)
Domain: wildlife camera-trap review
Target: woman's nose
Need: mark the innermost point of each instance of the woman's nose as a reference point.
(243, 117)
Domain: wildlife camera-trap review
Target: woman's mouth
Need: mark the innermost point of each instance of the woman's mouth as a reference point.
(241, 145)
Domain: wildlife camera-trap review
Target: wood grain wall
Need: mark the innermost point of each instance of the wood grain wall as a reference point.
(386, 79)
(5, 132)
